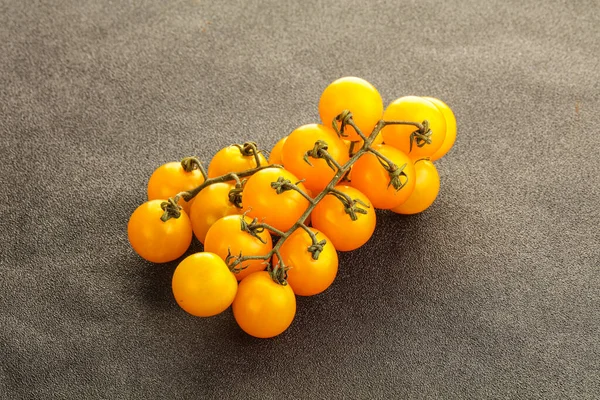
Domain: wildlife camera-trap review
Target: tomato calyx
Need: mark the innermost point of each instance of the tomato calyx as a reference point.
(191, 163)
(253, 228)
(278, 271)
(344, 118)
(317, 246)
(233, 262)
(171, 209)
(395, 172)
(351, 206)
(235, 194)
(283, 185)
(320, 151)
(421, 136)
(249, 149)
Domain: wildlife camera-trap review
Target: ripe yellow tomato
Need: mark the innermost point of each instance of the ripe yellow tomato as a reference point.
(203, 285)
(262, 307)
(170, 179)
(275, 156)
(302, 140)
(414, 109)
(209, 205)
(427, 187)
(329, 216)
(230, 159)
(450, 128)
(227, 237)
(155, 240)
(356, 95)
(281, 211)
(372, 179)
(306, 275)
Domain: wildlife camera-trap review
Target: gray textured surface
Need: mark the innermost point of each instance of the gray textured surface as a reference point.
(492, 293)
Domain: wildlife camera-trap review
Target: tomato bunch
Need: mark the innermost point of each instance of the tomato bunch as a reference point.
(272, 227)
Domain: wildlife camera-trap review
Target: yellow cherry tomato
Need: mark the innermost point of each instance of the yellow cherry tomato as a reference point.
(427, 187)
(262, 307)
(203, 285)
(356, 95)
(414, 109)
(450, 128)
(155, 240)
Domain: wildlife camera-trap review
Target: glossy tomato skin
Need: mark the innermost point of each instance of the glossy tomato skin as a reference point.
(262, 201)
(416, 109)
(226, 237)
(155, 240)
(426, 189)
(230, 159)
(209, 205)
(450, 128)
(203, 285)
(372, 179)
(308, 276)
(303, 139)
(170, 179)
(346, 234)
(358, 96)
(262, 307)
(275, 156)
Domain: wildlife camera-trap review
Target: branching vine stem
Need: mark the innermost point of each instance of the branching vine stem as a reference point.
(279, 270)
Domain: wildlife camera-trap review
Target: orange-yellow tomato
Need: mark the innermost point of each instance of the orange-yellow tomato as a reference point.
(414, 109)
(209, 205)
(262, 307)
(427, 187)
(155, 240)
(227, 237)
(329, 216)
(306, 275)
(262, 201)
(170, 179)
(275, 156)
(372, 179)
(230, 159)
(450, 128)
(302, 140)
(203, 285)
(356, 95)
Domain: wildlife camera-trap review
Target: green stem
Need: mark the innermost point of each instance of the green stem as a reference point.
(278, 272)
(190, 194)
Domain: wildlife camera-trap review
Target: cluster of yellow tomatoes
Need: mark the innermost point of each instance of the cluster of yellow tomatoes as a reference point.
(271, 228)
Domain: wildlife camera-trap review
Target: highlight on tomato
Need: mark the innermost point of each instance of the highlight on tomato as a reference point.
(156, 240)
(427, 187)
(203, 285)
(262, 307)
(233, 236)
(355, 95)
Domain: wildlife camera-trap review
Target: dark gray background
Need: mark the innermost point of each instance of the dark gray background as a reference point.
(491, 293)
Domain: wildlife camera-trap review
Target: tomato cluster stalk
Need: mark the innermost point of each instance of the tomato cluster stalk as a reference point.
(398, 179)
